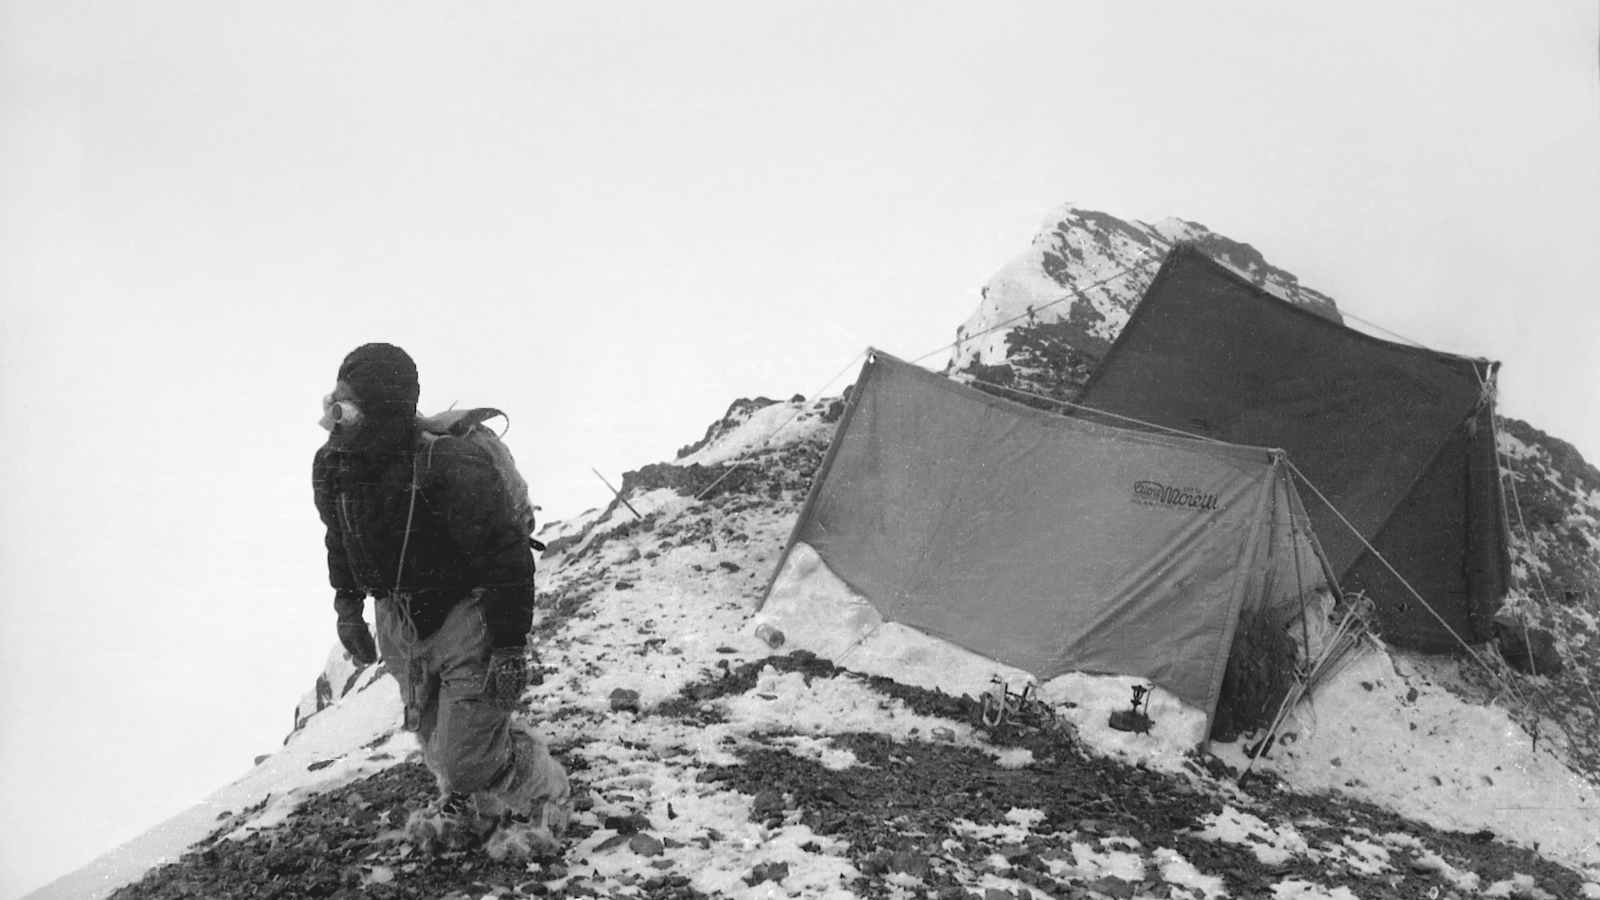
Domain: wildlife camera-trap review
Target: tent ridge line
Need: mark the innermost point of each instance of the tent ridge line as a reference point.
(1323, 322)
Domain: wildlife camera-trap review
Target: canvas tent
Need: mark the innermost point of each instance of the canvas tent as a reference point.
(1050, 543)
(1400, 439)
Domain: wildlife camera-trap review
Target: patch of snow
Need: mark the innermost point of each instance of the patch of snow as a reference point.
(1027, 819)
(339, 672)
(828, 706)
(1432, 757)
(1092, 862)
(1520, 886)
(1177, 870)
(1361, 855)
(550, 532)
(1272, 846)
(1428, 861)
(819, 612)
(1009, 833)
(793, 420)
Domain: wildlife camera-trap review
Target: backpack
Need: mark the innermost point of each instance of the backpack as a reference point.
(469, 424)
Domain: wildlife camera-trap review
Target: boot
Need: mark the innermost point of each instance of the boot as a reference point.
(518, 839)
(531, 803)
(446, 824)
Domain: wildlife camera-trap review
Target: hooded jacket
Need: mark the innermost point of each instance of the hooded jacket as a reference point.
(457, 532)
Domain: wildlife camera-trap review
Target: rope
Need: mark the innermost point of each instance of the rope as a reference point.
(403, 599)
(1486, 395)
(1394, 334)
(1401, 578)
(785, 424)
(1299, 581)
(1516, 504)
(405, 541)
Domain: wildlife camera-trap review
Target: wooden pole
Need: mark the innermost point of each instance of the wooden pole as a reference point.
(617, 493)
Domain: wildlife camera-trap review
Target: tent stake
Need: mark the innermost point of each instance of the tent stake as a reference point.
(617, 493)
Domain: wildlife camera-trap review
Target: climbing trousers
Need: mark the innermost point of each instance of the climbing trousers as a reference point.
(465, 736)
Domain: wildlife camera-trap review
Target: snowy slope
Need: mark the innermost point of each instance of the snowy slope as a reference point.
(1381, 730)
(641, 616)
(716, 764)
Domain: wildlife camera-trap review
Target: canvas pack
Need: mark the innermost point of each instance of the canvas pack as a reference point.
(471, 424)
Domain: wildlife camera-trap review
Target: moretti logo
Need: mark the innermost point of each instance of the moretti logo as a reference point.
(1154, 493)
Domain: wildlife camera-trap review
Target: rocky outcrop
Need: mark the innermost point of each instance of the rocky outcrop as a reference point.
(738, 413)
(340, 677)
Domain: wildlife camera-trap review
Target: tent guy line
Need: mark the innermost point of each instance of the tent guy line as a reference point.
(1522, 525)
(1527, 538)
(1334, 655)
(1401, 578)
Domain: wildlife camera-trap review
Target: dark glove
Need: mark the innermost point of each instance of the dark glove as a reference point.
(357, 640)
(349, 605)
(507, 678)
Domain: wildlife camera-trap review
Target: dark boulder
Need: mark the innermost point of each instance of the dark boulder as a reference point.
(1528, 649)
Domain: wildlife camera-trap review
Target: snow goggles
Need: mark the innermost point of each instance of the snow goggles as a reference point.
(339, 412)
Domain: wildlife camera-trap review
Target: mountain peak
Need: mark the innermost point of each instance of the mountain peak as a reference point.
(1088, 269)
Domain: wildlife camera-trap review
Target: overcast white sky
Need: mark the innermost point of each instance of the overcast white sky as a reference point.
(612, 220)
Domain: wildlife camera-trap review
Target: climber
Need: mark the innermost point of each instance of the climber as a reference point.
(427, 532)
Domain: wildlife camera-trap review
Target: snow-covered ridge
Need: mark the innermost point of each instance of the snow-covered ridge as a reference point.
(647, 614)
